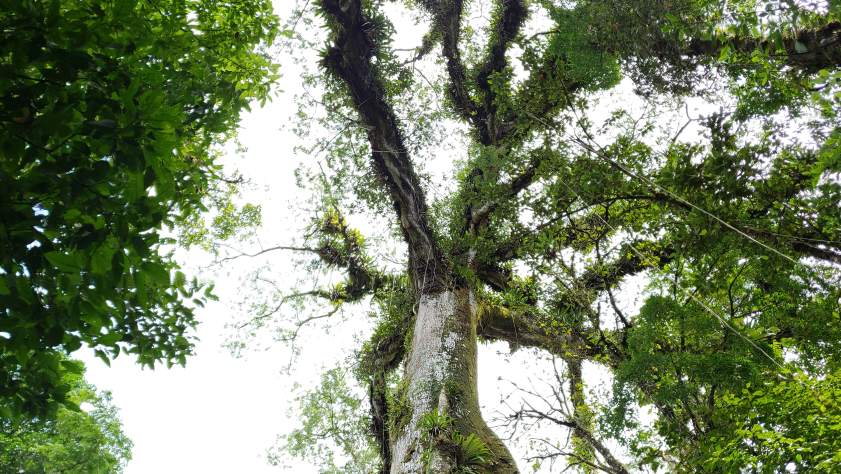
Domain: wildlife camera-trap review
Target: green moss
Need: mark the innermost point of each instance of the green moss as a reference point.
(455, 392)
(399, 408)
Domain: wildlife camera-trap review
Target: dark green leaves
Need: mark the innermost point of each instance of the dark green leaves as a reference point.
(108, 115)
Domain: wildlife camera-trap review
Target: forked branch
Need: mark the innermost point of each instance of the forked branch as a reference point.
(349, 58)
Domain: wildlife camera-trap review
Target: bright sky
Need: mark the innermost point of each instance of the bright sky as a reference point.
(220, 414)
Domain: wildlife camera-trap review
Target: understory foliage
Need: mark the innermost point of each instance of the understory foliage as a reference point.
(332, 413)
(84, 437)
(683, 154)
(110, 117)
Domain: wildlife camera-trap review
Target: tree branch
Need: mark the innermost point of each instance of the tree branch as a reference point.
(809, 50)
(446, 16)
(349, 59)
(504, 28)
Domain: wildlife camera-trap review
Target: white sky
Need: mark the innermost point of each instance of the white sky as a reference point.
(221, 414)
(218, 414)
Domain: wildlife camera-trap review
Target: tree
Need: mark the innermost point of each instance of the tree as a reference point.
(734, 229)
(111, 114)
(332, 415)
(85, 436)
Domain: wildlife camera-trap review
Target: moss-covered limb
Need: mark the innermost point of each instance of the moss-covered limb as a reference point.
(598, 277)
(523, 329)
(349, 59)
(807, 50)
(582, 415)
(387, 347)
(447, 16)
(613, 465)
(548, 238)
(377, 395)
(483, 115)
(508, 18)
(587, 447)
(489, 121)
(524, 325)
(379, 358)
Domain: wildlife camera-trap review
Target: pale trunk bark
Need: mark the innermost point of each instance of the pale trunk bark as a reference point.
(441, 377)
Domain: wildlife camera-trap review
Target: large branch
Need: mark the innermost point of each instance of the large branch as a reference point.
(446, 16)
(526, 329)
(809, 50)
(504, 28)
(349, 59)
(520, 329)
(377, 390)
(572, 234)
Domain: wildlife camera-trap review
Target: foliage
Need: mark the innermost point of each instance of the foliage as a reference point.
(472, 452)
(434, 423)
(333, 431)
(110, 113)
(716, 207)
(85, 436)
(777, 427)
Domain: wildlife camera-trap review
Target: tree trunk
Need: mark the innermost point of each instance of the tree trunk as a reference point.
(438, 402)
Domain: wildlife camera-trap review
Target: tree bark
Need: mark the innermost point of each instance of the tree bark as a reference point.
(441, 379)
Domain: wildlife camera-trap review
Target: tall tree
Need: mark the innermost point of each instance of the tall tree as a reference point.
(85, 436)
(735, 231)
(110, 114)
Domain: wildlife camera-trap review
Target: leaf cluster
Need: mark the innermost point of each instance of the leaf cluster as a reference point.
(109, 113)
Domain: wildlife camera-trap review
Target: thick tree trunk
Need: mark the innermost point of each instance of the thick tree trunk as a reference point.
(440, 380)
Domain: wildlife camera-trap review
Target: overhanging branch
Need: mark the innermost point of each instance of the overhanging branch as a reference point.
(809, 50)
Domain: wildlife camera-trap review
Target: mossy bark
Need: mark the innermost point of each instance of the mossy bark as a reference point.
(441, 376)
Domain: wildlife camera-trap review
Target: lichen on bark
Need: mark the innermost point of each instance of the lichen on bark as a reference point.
(441, 371)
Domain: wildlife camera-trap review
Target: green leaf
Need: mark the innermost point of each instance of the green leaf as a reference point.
(72, 215)
(69, 263)
(110, 339)
(180, 279)
(103, 255)
(157, 273)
